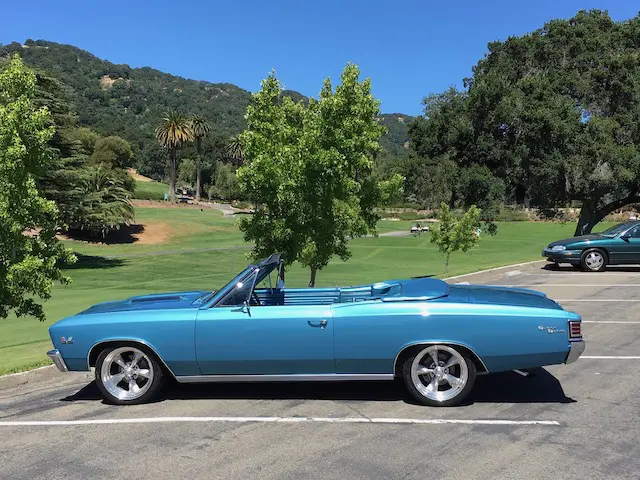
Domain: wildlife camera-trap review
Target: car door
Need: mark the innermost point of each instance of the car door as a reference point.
(630, 250)
(237, 338)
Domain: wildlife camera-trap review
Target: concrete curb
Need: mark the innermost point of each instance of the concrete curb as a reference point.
(16, 379)
(506, 268)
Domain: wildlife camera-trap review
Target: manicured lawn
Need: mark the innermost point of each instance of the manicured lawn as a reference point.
(135, 268)
(152, 187)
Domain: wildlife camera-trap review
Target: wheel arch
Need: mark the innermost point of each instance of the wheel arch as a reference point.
(99, 346)
(413, 348)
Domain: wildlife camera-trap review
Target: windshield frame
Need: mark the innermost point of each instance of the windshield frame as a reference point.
(266, 265)
(619, 229)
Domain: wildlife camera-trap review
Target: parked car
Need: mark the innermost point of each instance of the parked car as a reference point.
(617, 245)
(435, 336)
(419, 228)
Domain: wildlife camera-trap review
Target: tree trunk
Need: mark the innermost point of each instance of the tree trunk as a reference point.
(198, 168)
(312, 281)
(591, 215)
(446, 264)
(173, 167)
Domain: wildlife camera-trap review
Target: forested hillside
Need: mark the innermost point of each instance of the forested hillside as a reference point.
(119, 100)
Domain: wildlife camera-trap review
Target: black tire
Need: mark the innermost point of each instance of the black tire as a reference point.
(421, 398)
(153, 367)
(587, 262)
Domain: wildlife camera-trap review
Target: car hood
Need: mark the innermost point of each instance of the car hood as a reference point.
(581, 238)
(499, 295)
(157, 301)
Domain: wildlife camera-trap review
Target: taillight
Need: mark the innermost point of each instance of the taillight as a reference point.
(575, 329)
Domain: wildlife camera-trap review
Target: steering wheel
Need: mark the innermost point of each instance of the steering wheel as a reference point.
(254, 298)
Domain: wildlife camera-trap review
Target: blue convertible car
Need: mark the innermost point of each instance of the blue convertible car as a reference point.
(435, 336)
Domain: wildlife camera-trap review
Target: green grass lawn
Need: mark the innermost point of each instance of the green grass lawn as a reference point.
(144, 189)
(111, 272)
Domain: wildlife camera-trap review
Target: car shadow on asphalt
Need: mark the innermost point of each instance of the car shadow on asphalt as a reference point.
(506, 387)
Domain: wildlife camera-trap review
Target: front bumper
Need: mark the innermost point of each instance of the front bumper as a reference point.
(57, 359)
(562, 256)
(575, 351)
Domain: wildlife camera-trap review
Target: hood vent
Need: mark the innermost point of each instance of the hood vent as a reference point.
(163, 298)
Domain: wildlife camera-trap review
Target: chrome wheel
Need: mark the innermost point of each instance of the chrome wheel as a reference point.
(127, 373)
(594, 260)
(439, 373)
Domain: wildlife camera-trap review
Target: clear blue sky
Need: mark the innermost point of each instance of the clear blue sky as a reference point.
(409, 49)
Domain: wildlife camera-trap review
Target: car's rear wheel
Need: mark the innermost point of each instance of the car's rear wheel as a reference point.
(439, 375)
(128, 375)
(593, 260)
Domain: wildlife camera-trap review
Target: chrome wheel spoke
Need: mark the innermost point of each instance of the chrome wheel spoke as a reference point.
(434, 356)
(133, 386)
(115, 379)
(143, 372)
(451, 380)
(136, 358)
(435, 383)
(119, 360)
(424, 371)
(452, 362)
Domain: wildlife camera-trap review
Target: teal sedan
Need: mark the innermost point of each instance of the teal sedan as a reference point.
(619, 245)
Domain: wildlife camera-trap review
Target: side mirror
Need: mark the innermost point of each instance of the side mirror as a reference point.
(625, 237)
(246, 307)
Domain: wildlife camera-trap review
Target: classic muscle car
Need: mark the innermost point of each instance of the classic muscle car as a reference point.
(615, 246)
(436, 336)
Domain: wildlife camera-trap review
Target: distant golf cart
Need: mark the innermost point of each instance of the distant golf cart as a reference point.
(417, 228)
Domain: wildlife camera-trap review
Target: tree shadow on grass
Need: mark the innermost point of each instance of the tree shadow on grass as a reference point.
(507, 387)
(94, 262)
(124, 235)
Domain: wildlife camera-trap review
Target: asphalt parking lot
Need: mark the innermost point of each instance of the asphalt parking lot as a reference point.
(566, 422)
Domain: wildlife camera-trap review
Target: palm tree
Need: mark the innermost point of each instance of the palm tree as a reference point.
(105, 205)
(235, 150)
(172, 133)
(201, 129)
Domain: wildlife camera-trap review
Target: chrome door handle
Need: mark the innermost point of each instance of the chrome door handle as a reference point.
(321, 323)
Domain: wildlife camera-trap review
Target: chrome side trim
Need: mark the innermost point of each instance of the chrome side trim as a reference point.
(57, 359)
(395, 361)
(575, 351)
(320, 377)
(128, 340)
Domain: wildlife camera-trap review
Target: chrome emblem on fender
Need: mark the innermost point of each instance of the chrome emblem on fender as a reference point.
(550, 329)
(66, 340)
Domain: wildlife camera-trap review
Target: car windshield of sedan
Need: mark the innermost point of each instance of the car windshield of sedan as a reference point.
(613, 231)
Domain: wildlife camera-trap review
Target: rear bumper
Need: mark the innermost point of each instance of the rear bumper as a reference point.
(57, 359)
(575, 351)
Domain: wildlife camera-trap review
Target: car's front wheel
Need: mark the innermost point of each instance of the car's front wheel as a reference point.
(128, 375)
(439, 375)
(593, 260)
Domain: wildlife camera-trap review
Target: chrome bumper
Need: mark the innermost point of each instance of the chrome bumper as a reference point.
(575, 351)
(57, 359)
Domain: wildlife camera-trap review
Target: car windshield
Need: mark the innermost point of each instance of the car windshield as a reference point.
(613, 231)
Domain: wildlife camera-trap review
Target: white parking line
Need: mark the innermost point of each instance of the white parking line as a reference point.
(610, 357)
(410, 421)
(577, 285)
(628, 300)
(611, 321)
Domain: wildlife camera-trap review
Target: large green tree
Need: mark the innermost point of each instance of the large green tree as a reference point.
(200, 129)
(30, 254)
(308, 171)
(173, 132)
(554, 114)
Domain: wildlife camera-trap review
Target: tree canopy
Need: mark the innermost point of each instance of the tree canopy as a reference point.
(308, 170)
(554, 115)
(29, 251)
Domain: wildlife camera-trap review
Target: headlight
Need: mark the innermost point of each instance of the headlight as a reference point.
(558, 248)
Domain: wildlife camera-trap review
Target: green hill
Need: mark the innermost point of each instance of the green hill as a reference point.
(119, 100)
